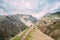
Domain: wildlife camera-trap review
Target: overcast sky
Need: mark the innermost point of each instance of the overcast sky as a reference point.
(37, 8)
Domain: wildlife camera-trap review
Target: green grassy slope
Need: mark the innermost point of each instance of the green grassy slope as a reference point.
(9, 26)
(18, 37)
(34, 34)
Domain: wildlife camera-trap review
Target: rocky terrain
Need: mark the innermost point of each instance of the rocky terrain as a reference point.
(47, 28)
(9, 27)
(50, 25)
(28, 20)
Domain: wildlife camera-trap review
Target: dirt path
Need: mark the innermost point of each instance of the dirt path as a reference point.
(32, 33)
(26, 34)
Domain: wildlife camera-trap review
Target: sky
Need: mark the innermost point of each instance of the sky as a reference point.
(36, 8)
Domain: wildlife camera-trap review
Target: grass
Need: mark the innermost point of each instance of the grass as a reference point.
(18, 37)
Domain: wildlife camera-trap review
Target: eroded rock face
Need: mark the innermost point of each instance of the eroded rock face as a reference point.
(52, 29)
(50, 25)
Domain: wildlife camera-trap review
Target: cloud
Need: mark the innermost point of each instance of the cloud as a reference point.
(37, 8)
(2, 12)
(54, 7)
(22, 4)
(46, 10)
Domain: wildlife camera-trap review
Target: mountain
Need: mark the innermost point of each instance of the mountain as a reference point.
(9, 27)
(26, 19)
(53, 15)
(50, 25)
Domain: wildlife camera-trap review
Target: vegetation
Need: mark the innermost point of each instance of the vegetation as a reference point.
(51, 25)
(9, 27)
(34, 34)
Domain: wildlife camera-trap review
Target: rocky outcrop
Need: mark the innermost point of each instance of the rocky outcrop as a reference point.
(50, 25)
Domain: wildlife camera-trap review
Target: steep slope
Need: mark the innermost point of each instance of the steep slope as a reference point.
(32, 34)
(51, 25)
(9, 27)
(12, 25)
(26, 19)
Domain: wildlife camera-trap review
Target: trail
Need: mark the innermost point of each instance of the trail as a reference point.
(26, 34)
(32, 33)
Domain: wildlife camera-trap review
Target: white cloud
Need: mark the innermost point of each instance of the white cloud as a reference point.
(37, 8)
(2, 12)
(52, 9)
(23, 4)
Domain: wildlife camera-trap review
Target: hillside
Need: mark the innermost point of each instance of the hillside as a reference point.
(53, 15)
(9, 27)
(32, 34)
(26, 19)
(50, 25)
(47, 28)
